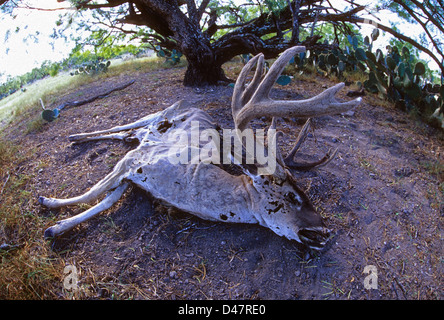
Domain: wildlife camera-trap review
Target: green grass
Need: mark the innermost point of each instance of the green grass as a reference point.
(435, 167)
(50, 88)
(141, 65)
(19, 102)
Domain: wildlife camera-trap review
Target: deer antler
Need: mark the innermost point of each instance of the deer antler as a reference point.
(254, 102)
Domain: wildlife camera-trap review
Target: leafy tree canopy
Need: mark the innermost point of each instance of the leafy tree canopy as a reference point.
(211, 32)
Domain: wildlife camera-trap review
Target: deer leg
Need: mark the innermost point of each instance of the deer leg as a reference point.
(130, 126)
(114, 136)
(111, 181)
(91, 135)
(67, 224)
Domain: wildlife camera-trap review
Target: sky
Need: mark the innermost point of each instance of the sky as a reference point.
(28, 43)
(31, 44)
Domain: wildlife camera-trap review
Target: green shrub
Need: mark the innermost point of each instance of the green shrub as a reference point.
(397, 75)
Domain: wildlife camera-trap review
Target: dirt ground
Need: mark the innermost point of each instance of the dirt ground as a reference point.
(382, 197)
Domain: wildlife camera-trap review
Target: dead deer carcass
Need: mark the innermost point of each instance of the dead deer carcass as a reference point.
(203, 188)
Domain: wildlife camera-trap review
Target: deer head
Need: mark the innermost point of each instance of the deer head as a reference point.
(264, 195)
(294, 216)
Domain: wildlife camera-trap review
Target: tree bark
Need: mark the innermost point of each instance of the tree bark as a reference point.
(204, 73)
(166, 18)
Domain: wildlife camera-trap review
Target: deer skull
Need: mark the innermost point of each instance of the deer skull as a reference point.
(202, 186)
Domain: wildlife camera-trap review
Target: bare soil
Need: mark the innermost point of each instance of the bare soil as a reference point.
(383, 197)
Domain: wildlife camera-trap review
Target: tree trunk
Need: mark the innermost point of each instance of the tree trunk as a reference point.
(204, 72)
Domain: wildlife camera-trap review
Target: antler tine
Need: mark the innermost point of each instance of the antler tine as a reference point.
(258, 76)
(279, 134)
(323, 104)
(258, 91)
(244, 108)
(290, 163)
(239, 93)
(299, 140)
(289, 159)
(275, 71)
(261, 105)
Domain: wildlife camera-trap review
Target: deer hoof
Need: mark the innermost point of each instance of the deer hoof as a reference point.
(42, 200)
(49, 233)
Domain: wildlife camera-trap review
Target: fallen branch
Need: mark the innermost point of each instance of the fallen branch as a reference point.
(100, 96)
(50, 115)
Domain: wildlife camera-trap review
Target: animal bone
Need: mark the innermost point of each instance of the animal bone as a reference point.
(204, 187)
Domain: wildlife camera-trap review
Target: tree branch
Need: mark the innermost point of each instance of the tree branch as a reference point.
(26, 6)
(294, 8)
(202, 8)
(192, 12)
(427, 13)
(110, 4)
(413, 14)
(399, 36)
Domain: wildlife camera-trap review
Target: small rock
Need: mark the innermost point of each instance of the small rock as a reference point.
(173, 274)
(356, 93)
(5, 246)
(349, 113)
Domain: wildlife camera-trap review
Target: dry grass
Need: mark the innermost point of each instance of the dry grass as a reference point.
(29, 270)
